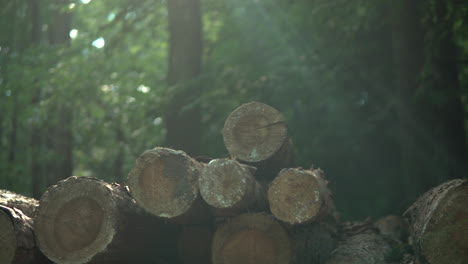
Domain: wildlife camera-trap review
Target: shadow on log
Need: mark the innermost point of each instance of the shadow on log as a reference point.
(17, 243)
(438, 223)
(85, 220)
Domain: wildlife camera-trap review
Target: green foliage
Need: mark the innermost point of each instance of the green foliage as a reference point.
(327, 65)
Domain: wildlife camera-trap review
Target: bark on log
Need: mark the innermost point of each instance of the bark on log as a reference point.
(251, 239)
(366, 248)
(298, 196)
(165, 182)
(85, 220)
(27, 205)
(17, 243)
(230, 187)
(439, 224)
(256, 133)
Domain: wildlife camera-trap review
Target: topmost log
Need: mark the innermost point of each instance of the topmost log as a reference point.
(256, 133)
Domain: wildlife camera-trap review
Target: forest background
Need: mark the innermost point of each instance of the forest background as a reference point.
(374, 92)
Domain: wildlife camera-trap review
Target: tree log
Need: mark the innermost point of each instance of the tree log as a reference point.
(27, 205)
(165, 182)
(230, 187)
(298, 196)
(85, 220)
(17, 243)
(439, 224)
(256, 133)
(251, 239)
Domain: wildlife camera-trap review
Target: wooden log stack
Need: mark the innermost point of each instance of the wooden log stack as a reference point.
(254, 207)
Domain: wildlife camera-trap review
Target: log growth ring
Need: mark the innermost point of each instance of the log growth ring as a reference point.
(254, 132)
(76, 219)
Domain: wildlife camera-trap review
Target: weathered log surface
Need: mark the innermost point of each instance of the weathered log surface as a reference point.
(439, 224)
(298, 196)
(165, 182)
(251, 239)
(85, 220)
(17, 243)
(256, 133)
(230, 188)
(361, 243)
(27, 205)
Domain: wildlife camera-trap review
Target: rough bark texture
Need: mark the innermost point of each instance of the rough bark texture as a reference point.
(230, 187)
(27, 205)
(165, 182)
(361, 243)
(439, 224)
(17, 243)
(298, 196)
(251, 239)
(85, 220)
(256, 133)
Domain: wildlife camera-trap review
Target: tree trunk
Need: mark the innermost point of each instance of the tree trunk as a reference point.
(185, 62)
(438, 224)
(230, 188)
(445, 85)
(165, 182)
(37, 161)
(298, 196)
(85, 220)
(256, 133)
(60, 133)
(251, 239)
(415, 138)
(17, 244)
(27, 205)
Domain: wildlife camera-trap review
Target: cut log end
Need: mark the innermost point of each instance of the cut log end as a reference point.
(251, 238)
(295, 196)
(446, 237)
(254, 132)
(7, 238)
(75, 220)
(164, 182)
(224, 183)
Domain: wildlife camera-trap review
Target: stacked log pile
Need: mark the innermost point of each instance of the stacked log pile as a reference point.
(254, 207)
